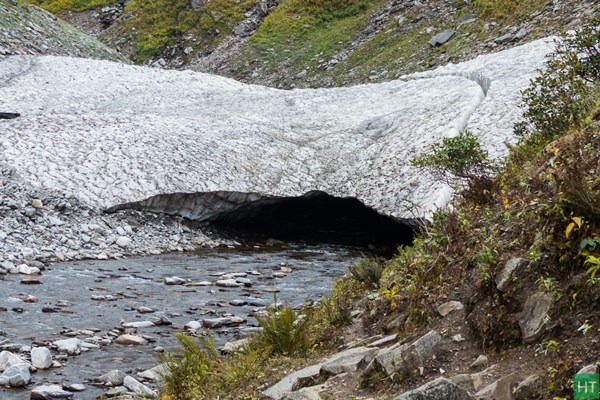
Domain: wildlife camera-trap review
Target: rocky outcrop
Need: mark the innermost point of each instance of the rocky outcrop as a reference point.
(440, 388)
(120, 134)
(25, 30)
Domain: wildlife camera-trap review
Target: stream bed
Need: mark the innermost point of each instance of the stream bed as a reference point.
(91, 298)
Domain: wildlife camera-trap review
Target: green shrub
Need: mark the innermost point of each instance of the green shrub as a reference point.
(188, 368)
(285, 331)
(367, 271)
(457, 159)
(561, 97)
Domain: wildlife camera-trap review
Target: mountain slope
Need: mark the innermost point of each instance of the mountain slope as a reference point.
(26, 29)
(316, 43)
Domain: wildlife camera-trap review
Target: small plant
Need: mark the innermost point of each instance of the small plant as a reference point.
(285, 331)
(585, 327)
(548, 347)
(456, 159)
(549, 285)
(368, 271)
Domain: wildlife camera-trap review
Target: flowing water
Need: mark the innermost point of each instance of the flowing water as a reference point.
(100, 295)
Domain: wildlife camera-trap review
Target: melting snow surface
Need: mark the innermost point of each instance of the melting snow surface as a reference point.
(111, 133)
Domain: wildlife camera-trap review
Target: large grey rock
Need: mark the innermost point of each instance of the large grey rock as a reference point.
(16, 376)
(501, 389)
(288, 384)
(448, 307)
(127, 339)
(442, 38)
(589, 369)
(307, 393)
(528, 388)
(49, 392)
(402, 359)
(139, 388)
(41, 358)
(471, 382)
(349, 361)
(505, 276)
(154, 374)
(535, 316)
(244, 135)
(113, 378)
(438, 389)
(8, 359)
(70, 346)
(235, 346)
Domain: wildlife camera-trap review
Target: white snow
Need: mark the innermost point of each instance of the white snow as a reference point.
(111, 133)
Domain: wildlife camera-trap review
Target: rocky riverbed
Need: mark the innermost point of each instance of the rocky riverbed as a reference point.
(98, 316)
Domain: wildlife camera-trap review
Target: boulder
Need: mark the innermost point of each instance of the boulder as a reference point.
(501, 389)
(227, 283)
(41, 358)
(8, 359)
(70, 346)
(438, 389)
(137, 324)
(154, 374)
(403, 359)
(112, 378)
(472, 382)
(16, 376)
(480, 361)
(118, 392)
(123, 241)
(442, 38)
(139, 388)
(505, 276)
(289, 383)
(535, 315)
(308, 393)
(235, 346)
(25, 269)
(449, 307)
(588, 369)
(133, 340)
(174, 280)
(49, 392)
(528, 388)
(349, 361)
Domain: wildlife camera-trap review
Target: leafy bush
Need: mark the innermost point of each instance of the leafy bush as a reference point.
(188, 368)
(285, 331)
(461, 159)
(562, 96)
(367, 271)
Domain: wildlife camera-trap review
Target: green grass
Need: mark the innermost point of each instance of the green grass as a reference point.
(508, 10)
(300, 34)
(60, 6)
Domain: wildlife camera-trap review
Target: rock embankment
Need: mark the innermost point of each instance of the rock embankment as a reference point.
(40, 225)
